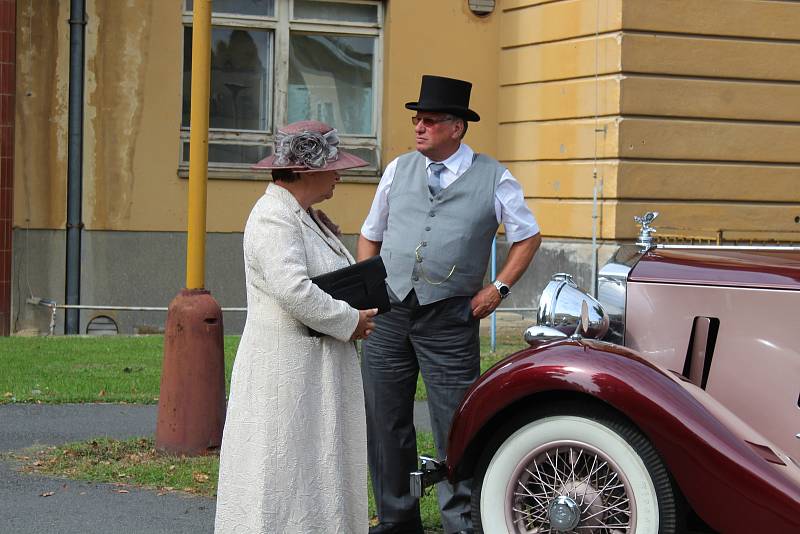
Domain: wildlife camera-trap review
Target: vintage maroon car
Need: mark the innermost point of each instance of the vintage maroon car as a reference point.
(669, 404)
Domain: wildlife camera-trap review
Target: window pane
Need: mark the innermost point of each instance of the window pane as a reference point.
(261, 8)
(230, 153)
(367, 154)
(240, 79)
(338, 11)
(330, 80)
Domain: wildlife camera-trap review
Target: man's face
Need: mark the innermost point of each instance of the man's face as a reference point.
(437, 135)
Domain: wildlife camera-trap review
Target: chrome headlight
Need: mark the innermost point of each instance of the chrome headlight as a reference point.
(612, 285)
(560, 308)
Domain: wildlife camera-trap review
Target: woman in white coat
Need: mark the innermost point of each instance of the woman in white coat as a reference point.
(293, 457)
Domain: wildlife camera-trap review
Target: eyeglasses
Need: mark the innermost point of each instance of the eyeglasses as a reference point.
(429, 121)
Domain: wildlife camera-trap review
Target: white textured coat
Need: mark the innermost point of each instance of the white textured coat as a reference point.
(293, 456)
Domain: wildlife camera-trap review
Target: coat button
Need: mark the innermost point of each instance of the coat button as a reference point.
(415, 278)
(427, 228)
(432, 214)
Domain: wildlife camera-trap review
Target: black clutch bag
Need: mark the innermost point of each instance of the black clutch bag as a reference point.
(362, 285)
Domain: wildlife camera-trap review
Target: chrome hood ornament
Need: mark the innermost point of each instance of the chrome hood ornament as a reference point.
(645, 239)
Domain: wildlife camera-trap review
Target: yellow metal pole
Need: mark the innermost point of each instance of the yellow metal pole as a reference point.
(198, 145)
(191, 401)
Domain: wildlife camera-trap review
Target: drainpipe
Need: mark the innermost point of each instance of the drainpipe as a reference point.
(77, 24)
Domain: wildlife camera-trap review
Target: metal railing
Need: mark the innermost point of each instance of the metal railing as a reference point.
(53, 306)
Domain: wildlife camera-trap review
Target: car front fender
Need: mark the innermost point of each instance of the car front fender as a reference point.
(726, 470)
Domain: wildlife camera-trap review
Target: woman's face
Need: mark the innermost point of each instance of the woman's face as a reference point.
(322, 184)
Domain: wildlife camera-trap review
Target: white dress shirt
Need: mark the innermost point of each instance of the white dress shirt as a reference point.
(509, 201)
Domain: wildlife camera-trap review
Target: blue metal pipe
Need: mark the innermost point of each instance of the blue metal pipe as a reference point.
(493, 328)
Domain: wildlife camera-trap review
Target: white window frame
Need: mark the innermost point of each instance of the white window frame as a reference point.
(282, 24)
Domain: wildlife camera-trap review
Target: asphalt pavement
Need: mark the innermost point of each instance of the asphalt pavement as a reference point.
(34, 504)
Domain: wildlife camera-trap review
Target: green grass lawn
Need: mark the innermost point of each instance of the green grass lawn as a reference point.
(118, 368)
(136, 462)
(128, 369)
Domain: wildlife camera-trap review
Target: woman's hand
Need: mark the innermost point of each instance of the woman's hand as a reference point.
(365, 324)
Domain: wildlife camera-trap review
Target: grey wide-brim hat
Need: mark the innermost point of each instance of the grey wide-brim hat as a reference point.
(309, 146)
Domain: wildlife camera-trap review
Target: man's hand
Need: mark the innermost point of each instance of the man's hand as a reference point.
(365, 324)
(485, 301)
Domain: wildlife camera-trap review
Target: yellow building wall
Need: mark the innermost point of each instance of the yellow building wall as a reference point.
(709, 105)
(683, 106)
(687, 107)
(134, 54)
(40, 149)
(559, 106)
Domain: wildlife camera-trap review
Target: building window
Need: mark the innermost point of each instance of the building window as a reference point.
(279, 61)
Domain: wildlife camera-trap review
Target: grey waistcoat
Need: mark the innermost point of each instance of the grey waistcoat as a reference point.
(426, 236)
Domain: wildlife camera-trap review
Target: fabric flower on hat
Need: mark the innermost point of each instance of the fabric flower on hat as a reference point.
(309, 149)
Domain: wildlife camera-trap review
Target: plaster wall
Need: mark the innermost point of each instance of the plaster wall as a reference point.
(134, 53)
(686, 107)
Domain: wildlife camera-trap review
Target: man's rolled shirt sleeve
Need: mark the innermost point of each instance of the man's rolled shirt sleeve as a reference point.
(375, 224)
(516, 216)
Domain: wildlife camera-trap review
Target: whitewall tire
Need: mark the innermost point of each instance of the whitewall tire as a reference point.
(578, 473)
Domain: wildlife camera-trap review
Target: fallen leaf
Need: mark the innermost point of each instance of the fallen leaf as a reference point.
(200, 477)
(171, 468)
(121, 491)
(47, 494)
(102, 393)
(8, 394)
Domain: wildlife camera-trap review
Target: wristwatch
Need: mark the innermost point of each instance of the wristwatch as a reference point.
(503, 289)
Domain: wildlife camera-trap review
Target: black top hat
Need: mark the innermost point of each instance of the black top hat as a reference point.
(446, 95)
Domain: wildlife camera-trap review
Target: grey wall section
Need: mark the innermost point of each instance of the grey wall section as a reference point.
(148, 269)
(122, 269)
(38, 270)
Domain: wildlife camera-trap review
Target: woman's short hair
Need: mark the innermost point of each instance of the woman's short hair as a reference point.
(285, 175)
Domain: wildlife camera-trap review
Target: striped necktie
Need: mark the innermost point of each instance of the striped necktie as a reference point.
(434, 177)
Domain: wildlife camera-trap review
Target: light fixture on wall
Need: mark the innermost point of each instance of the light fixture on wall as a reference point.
(481, 8)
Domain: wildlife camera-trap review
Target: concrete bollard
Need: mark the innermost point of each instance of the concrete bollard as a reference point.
(191, 402)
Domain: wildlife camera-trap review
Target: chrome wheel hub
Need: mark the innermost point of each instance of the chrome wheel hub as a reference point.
(564, 513)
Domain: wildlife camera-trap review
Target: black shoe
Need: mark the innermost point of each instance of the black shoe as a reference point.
(406, 527)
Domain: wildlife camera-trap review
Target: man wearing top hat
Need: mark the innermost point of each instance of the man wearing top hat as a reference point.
(435, 213)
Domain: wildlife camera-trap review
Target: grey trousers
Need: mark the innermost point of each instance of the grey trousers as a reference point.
(441, 341)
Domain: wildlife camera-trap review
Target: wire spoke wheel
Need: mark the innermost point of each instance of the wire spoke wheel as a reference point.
(569, 487)
(568, 469)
